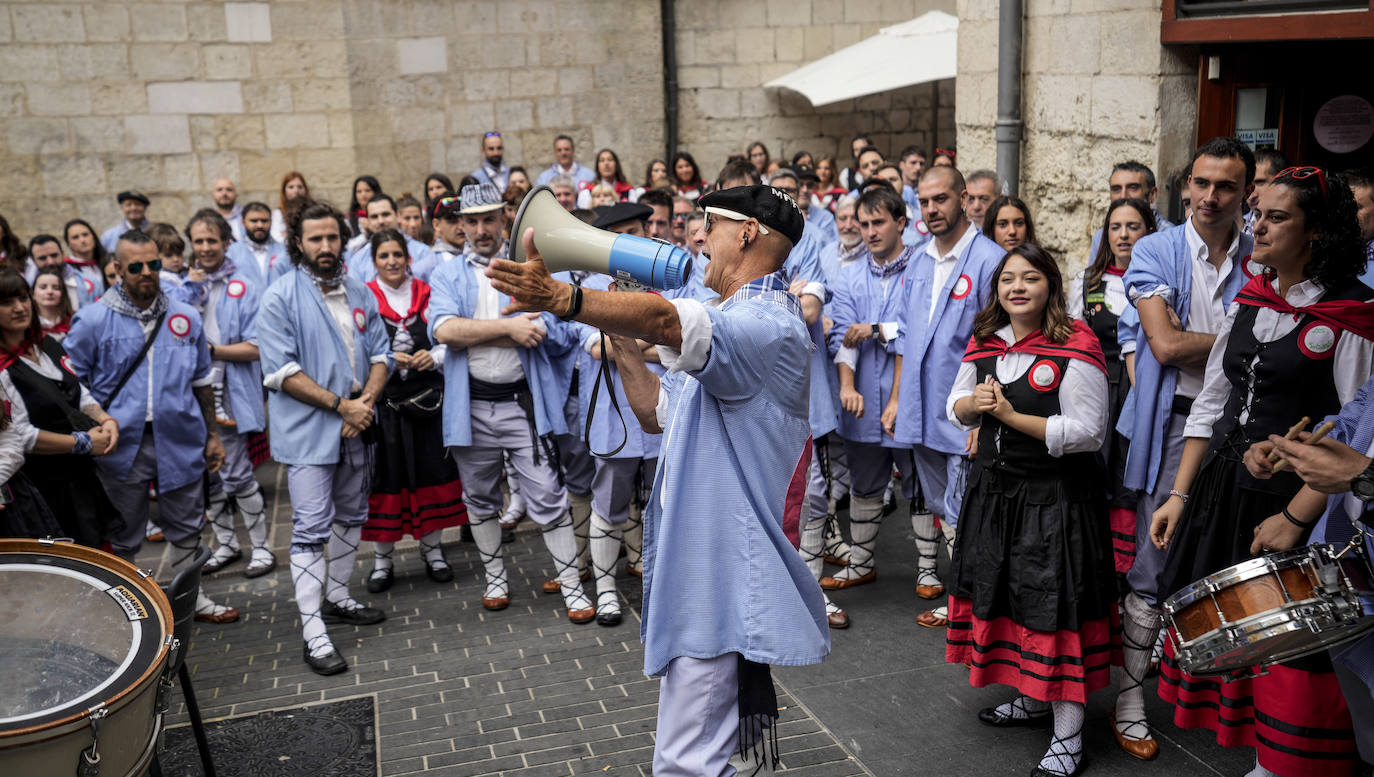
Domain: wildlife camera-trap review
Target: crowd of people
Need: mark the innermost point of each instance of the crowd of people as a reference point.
(1082, 447)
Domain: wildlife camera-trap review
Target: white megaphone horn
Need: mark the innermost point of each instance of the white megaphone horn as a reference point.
(568, 244)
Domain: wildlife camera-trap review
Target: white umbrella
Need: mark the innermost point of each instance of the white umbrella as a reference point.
(916, 52)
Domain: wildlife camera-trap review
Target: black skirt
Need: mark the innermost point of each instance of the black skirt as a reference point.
(1037, 551)
(27, 515)
(415, 488)
(72, 489)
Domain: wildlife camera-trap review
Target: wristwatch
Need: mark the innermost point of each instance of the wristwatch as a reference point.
(877, 330)
(1362, 485)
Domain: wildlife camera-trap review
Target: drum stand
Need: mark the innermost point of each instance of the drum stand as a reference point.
(182, 591)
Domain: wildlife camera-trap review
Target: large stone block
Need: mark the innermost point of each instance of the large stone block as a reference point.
(94, 135)
(94, 60)
(783, 13)
(169, 61)
(106, 22)
(515, 115)
(1130, 43)
(159, 21)
(1126, 106)
(320, 94)
(248, 22)
(697, 77)
(739, 76)
(574, 80)
(11, 100)
(487, 84)
(239, 133)
(58, 99)
(27, 63)
(70, 175)
(715, 47)
(478, 17)
(1062, 44)
(224, 164)
(181, 173)
(206, 22)
(267, 96)
(1057, 103)
(817, 42)
(471, 118)
(754, 45)
(315, 20)
(554, 113)
(261, 170)
(977, 48)
(117, 97)
(38, 136)
(196, 97)
(533, 82)
(6, 30)
(845, 35)
(341, 130)
(789, 44)
(228, 61)
(297, 130)
(48, 23)
(330, 168)
(158, 134)
(717, 103)
(976, 10)
(421, 55)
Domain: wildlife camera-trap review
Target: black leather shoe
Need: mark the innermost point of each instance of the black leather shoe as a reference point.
(363, 616)
(327, 664)
(1082, 767)
(609, 618)
(507, 536)
(380, 581)
(989, 717)
(439, 572)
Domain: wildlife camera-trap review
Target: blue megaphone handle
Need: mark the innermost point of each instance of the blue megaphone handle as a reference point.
(649, 262)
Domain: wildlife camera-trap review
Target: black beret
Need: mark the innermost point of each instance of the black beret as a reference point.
(132, 195)
(805, 172)
(769, 206)
(621, 212)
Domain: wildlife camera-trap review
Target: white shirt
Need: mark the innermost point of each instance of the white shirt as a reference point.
(1114, 298)
(491, 363)
(944, 265)
(1081, 425)
(19, 411)
(11, 442)
(1351, 364)
(336, 300)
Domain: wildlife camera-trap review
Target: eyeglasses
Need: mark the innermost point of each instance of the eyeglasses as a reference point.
(445, 202)
(136, 268)
(1300, 173)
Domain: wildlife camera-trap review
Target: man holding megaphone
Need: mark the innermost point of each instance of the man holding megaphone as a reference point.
(725, 592)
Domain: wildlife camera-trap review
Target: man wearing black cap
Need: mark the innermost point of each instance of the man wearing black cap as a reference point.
(448, 229)
(822, 219)
(725, 591)
(135, 207)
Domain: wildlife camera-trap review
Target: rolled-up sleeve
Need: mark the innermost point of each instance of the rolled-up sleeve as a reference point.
(963, 387)
(20, 425)
(697, 330)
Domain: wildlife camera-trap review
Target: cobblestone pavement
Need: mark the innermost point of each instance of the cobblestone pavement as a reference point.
(459, 690)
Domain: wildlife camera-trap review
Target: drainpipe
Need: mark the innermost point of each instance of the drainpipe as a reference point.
(669, 27)
(1008, 127)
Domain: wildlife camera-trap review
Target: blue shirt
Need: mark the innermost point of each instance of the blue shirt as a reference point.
(580, 174)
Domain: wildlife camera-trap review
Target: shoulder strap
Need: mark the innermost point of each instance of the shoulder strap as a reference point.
(133, 365)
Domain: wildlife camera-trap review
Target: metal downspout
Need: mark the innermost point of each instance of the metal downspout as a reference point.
(1008, 126)
(669, 27)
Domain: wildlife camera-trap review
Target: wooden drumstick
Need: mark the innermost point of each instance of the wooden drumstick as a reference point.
(1293, 431)
(1317, 435)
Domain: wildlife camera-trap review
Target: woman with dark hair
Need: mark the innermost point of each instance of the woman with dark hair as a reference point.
(436, 186)
(687, 179)
(609, 172)
(803, 158)
(655, 177)
(86, 258)
(1033, 597)
(365, 187)
(416, 490)
(1299, 341)
(410, 217)
(1008, 222)
(758, 156)
(945, 157)
(519, 180)
(13, 253)
(293, 193)
(61, 426)
(828, 190)
(52, 304)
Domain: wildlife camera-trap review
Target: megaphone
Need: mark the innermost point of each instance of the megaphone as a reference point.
(568, 244)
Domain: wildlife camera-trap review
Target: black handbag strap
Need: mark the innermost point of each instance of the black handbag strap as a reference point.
(133, 366)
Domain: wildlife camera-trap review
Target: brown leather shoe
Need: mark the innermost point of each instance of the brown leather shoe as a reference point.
(837, 561)
(835, 584)
(837, 620)
(633, 572)
(932, 619)
(930, 591)
(227, 615)
(553, 586)
(1144, 749)
(582, 616)
(496, 603)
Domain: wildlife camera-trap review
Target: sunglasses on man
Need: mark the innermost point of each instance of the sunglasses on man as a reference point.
(136, 268)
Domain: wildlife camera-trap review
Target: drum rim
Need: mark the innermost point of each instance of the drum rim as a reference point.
(1267, 632)
(161, 604)
(1243, 571)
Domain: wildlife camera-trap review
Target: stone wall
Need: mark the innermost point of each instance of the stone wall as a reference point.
(167, 96)
(1098, 88)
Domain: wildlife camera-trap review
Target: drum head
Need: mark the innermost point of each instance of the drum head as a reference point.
(74, 632)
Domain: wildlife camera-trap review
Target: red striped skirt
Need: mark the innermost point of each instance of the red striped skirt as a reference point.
(419, 512)
(1122, 520)
(1061, 665)
(1296, 720)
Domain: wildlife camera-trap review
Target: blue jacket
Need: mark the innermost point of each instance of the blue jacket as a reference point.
(423, 260)
(110, 237)
(1161, 259)
(824, 222)
(859, 300)
(933, 345)
(236, 314)
(454, 293)
(278, 262)
(102, 344)
(296, 327)
(606, 429)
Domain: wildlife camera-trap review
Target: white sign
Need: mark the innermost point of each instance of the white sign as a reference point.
(1344, 123)
(1259, 138)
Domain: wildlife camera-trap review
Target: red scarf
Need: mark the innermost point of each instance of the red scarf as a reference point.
(1082, 345)
(62, 327)
(9, 357)
(1112, 269)
(1349, 315)
(73, 261)
(419, 300)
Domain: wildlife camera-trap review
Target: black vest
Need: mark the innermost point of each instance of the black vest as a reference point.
(1017, 454)
(415, 381)
(41, 394)
(1103, 323)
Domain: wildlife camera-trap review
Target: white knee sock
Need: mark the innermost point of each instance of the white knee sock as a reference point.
(581, 507)
(634, 538)
(1066, 748)
(515, 507)
(927, 544)
(308, 574)
(812, 543)
(252, 509)
(836, 548)
(1260, 771)
(1139, 626)
(486, 534)
(222, 522)
(381, 556)
(562, 545)
(343, 548)
(865, 514)
(432, 548)
(605, 550)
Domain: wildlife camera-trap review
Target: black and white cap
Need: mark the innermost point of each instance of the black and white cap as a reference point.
(770, 207)
(480, 198)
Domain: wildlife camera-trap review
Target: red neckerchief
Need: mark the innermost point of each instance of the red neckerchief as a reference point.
(1082, 345)
(62, 327)
(1112, 269)
(8, 357)
(1350, 315)
(73, 261)
(419, 300)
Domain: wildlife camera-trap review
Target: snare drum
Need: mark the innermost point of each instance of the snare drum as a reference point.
(1271, 609)
(84, 640)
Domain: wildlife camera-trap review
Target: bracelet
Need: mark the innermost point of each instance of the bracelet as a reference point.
(82, 444)
(575, 306)
(1296, 522)
(1179, 494)
(337, 399)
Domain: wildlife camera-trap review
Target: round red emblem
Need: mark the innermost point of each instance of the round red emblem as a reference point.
(360, 319)
(921, 227)
(236, 289)
(66, 363)
(1044, 375)
(961, 287)
(179, 325)
(1318, 340)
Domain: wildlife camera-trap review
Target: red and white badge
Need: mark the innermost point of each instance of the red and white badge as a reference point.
(360, 319)
(1044, 375)
(921, 227)
(66, 363)
(179, 325)
(1318, 340)
(236, 289)
(1250, 267)
(961, 288)
(90, 287)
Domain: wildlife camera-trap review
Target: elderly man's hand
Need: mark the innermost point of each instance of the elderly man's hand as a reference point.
(529, 284)
(1328, 466)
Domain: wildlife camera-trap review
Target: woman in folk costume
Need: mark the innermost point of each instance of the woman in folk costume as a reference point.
(416, 489)
(1299, 342)
(1033, 598)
